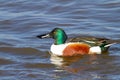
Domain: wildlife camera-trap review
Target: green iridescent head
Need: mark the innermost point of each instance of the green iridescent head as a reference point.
(57, 34)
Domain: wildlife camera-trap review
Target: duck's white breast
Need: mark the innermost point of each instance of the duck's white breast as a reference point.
(58, 49)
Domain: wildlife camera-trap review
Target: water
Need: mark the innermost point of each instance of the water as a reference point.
(25, 57)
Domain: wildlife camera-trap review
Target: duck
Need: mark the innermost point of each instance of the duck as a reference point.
(75, 46)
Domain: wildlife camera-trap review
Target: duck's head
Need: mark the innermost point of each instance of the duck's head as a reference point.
(57, 34)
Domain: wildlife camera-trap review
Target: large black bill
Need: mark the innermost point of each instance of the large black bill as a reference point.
(44, 36)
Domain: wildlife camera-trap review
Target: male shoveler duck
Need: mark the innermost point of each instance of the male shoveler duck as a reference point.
(75, 46)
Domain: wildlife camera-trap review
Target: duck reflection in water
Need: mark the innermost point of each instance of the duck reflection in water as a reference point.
(74, 64)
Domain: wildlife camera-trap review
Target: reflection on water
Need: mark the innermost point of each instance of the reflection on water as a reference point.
(94, 66)
(67, 63)
(63, 61)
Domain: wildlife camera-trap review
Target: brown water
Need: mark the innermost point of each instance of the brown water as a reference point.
(25, 57)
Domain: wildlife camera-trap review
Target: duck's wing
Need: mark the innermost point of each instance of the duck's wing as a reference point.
(93, 41)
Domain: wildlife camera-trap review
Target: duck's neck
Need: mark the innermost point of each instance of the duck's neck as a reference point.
(60, 40)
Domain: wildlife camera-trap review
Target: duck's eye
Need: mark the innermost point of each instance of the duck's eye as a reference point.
(54, 32)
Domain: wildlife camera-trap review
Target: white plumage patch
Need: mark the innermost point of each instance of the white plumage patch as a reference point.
(95, 50)
(58, 49)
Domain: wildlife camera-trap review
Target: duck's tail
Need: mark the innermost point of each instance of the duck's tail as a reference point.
(108, 45)
(105, 46)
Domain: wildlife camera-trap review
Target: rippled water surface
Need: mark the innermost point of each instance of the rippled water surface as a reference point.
(25, 57)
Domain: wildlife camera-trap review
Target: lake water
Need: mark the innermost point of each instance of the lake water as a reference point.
(25, 57)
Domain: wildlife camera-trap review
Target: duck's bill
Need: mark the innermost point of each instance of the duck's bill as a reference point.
(44, 36)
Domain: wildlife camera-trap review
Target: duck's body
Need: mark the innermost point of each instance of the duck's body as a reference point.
(73, 49)
(75, 46)
(70, 49)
